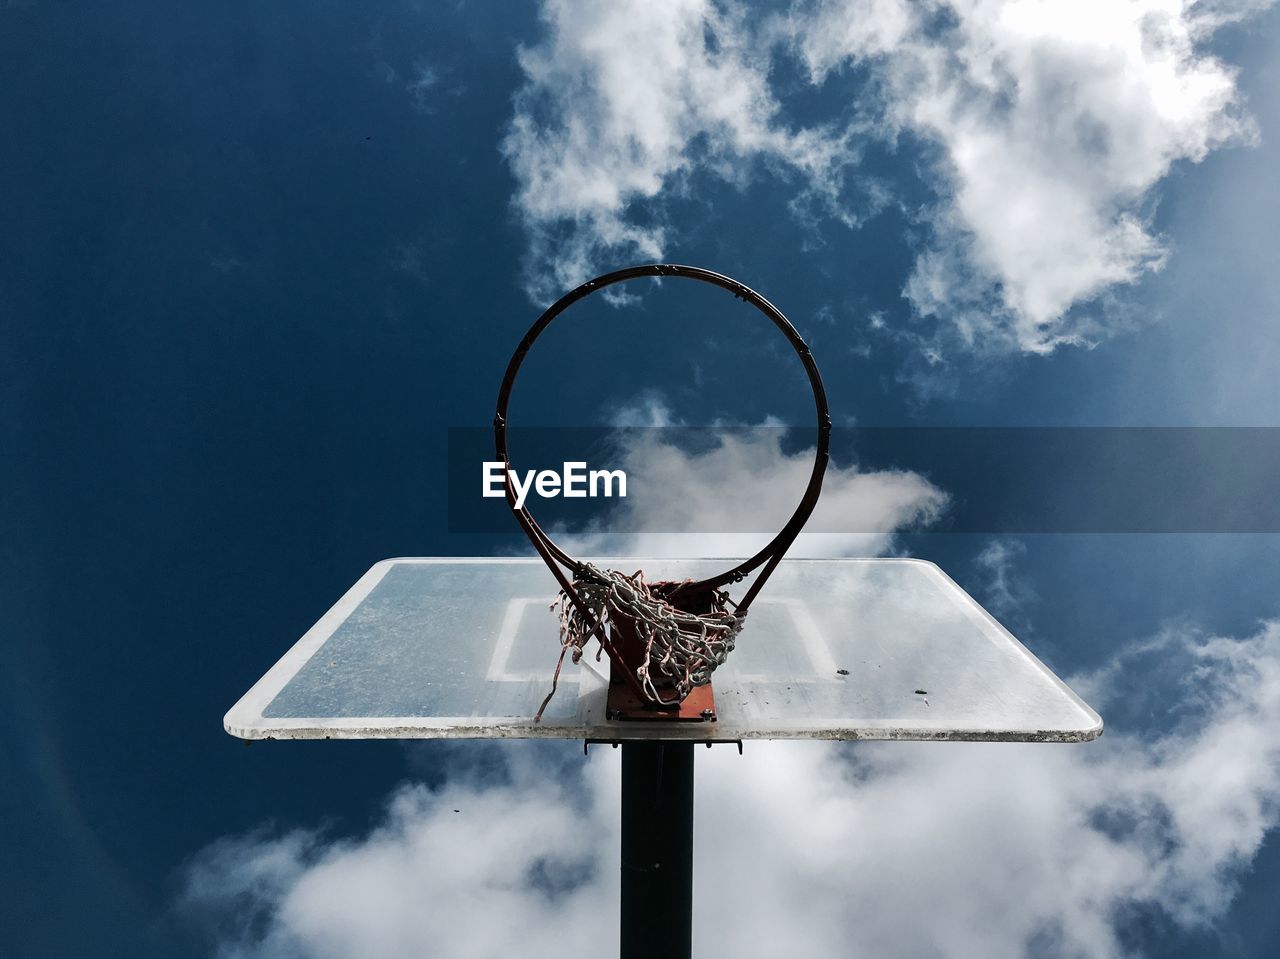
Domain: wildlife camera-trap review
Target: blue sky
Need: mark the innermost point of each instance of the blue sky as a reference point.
(257, 259)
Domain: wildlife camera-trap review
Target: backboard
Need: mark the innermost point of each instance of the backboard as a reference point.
(833, 649)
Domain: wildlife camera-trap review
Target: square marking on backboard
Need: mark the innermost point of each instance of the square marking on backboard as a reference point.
(803, 628)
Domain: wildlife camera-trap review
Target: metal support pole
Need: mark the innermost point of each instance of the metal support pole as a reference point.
(657, 850)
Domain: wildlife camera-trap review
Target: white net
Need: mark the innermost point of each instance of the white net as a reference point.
(681, 649)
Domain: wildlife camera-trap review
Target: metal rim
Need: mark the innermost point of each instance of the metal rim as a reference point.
(773, 551)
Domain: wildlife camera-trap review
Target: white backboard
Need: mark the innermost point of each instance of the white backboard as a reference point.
(832, 649)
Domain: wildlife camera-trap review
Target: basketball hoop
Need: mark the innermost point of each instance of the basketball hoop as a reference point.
(663, 639)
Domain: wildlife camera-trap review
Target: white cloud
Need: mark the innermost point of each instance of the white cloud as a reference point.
(695, 502)
(620, 102)
(650, 410)
(1053, 122)
(422, 88)
(937, 849)
(1056, 119)
(1004, 592)
(474, 868)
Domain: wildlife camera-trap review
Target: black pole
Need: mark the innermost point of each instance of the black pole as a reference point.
(657, 850)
